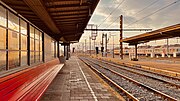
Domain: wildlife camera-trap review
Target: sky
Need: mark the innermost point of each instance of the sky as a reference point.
(151, 14)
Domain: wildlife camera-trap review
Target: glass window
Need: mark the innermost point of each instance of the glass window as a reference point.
(2, 38)
(23, 42)
(40, 36)
(32, 44)
(47, 47)
(31, 32)
(32, 57)
(13, 22)
(40, 46)
(13, 59)
(52, 49)
(37, 56)
(40, 56)
(23, 58)
(36, 45)
(13, 40)
(2, 60)
(3, 16)
(36, 34)
(23, 27)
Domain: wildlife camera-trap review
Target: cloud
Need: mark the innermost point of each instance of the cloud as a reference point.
(129, 9)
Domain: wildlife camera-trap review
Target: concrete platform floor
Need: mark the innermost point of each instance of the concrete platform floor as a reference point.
(77, 82)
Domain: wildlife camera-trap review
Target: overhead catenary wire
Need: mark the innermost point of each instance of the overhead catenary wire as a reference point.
(154, 12)
(151, 4)
(146, 7)
(111, 13)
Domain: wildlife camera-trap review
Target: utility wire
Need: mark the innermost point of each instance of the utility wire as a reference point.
(154, 12)
(146, 7)
(110, 13)
(112, 22)
(136, 12)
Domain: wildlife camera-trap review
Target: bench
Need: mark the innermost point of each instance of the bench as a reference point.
(29, 84)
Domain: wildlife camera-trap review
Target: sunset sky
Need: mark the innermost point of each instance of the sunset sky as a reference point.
(153, 14)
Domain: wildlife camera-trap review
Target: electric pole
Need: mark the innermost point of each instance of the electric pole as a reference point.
(102, 48)
(106, 44)
(121, 32)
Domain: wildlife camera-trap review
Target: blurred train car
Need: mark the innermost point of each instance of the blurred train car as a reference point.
(125, 51)
(173, 50)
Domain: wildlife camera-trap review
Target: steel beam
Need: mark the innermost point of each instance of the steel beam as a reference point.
(118, 29)
(42, 13)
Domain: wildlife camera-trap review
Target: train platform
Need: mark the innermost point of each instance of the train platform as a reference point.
(77, 82)
(166, 66)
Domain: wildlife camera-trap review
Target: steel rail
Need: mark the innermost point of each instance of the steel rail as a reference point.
(163, 95)
(141, 69)
(130, 96)
(114, 65)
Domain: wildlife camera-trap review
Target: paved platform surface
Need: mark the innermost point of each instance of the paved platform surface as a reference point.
(77, 82)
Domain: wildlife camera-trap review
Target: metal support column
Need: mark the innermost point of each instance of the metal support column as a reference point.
(102, 49)
(121, 32)
(7, 53)
(58, 55)
(94, 47)
(90, 46)
(167, 47)
(135, 51)
(67, 57)
(68, 51)
(43, 48)
(28, 45)
(106, 44)
(64, 51)
(113, 46)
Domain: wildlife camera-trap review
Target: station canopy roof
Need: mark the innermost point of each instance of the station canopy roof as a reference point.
(163, 33)
(63, 20)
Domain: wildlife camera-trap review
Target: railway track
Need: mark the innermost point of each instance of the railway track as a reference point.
(135, 88)
(143, 70)
(173, 81)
